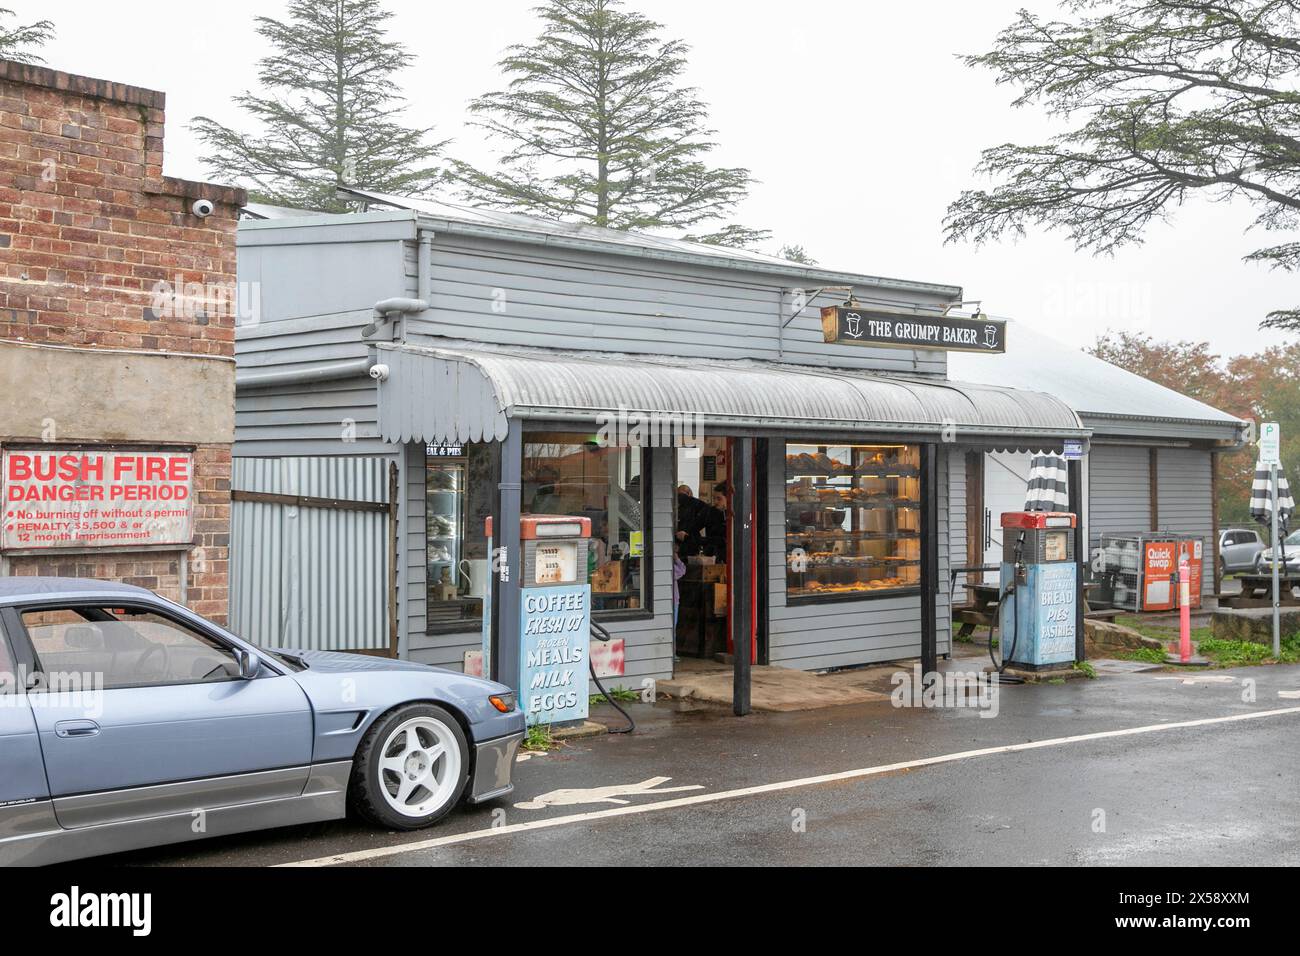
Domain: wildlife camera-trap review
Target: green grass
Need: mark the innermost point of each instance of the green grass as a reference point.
(1150, 655)
(617, 693)
(538, 738)
(1222, 653)
(1086, 668)
(1162, 634)
(1240, 653)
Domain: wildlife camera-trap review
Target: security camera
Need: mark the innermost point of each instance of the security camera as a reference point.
(379, 373)
(202, 208)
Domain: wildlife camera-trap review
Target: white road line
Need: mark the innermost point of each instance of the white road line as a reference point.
(359, 856)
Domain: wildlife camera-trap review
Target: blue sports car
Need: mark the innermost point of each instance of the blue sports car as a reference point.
(127, 721)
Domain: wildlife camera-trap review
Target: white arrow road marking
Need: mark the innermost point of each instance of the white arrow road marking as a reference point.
(568, 798)
(358, 856)
(1293, 694)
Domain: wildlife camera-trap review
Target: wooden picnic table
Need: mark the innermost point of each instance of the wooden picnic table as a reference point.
(980, 612)
(1257, 591)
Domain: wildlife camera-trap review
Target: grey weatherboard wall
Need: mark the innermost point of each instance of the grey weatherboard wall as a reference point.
(320, 280)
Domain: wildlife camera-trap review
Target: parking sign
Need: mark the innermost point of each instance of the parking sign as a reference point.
(1270, 443)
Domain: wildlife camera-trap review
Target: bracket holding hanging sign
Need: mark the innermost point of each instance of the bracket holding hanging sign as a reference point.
(850, 325)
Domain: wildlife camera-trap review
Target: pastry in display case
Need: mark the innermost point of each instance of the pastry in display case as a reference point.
(852, 519)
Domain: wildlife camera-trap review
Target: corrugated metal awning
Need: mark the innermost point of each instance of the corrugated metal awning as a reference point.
(462, 394)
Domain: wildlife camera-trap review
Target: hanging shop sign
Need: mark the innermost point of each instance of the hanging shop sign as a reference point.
(84, 499)
(443, 450)
(900, 330)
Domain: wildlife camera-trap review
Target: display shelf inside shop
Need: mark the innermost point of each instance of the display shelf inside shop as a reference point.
(852, 520)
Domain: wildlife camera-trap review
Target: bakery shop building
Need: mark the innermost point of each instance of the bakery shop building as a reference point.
(761, 447)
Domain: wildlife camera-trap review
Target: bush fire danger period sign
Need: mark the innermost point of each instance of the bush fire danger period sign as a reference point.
(96, 499)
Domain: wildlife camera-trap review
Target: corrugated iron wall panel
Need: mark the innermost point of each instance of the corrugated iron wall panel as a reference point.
(309, 577)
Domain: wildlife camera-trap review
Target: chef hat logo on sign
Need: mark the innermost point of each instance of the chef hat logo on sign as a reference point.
(991, 336)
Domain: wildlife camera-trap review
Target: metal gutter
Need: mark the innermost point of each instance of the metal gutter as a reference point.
(797, 425)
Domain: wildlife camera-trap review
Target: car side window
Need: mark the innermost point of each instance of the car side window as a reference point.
(123, 647)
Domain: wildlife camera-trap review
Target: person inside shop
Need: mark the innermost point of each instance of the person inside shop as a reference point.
(679, 572)
(691, 513)
(715, 524)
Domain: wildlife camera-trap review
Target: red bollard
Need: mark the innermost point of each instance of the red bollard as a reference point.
(1184, 610)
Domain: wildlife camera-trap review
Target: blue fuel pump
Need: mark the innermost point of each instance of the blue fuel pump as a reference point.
(1039, 590)
(555, 618)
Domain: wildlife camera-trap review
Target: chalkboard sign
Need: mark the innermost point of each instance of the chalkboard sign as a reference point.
(904, 330)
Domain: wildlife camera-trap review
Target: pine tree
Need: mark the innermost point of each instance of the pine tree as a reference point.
(598, 130)
(796, 253)
(328, 116)
(1167, 99)
(18, 41)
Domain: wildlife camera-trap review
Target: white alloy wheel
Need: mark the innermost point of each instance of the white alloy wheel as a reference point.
(419, 767)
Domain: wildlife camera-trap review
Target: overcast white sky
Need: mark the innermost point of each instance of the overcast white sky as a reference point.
(856, 117)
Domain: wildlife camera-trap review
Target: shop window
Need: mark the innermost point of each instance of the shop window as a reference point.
(852, 520)
(460, 485)
(572, 474)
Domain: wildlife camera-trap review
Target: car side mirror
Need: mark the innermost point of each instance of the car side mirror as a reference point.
(250, 665)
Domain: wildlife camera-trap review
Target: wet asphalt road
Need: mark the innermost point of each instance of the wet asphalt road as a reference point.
(1226, 793)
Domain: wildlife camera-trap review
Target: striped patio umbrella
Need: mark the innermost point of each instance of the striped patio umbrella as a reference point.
(1261, 498)
(1048, 490)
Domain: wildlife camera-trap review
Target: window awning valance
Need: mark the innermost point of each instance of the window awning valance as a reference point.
(462, 394)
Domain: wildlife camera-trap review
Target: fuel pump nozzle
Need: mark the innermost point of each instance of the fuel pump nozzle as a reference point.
(1022, 572)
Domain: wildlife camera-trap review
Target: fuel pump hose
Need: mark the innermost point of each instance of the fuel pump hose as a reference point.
(600, 634)
(1007, 653)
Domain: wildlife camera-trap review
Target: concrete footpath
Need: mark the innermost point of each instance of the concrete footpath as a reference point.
(1134, 768)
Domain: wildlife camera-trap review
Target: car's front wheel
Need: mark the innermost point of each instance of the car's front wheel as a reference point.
(411, 768)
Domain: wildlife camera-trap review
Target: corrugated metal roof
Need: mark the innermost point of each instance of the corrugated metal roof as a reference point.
(454, 218)
(262, 210)
(468, 393)
(1092, 387)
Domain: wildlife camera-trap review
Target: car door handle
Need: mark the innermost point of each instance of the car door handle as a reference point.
(76, 728)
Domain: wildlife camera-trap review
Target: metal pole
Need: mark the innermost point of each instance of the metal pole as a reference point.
(929, 560)
(1074, 488)
(1277, 550)
(508, 567)
(742, 520)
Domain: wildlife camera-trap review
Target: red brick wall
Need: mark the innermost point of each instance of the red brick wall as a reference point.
(88, 229)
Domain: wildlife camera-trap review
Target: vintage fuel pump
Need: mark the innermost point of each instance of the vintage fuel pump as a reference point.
(554, 618)
(1039, 590)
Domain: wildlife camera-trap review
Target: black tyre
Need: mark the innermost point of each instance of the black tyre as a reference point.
(411, 768)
